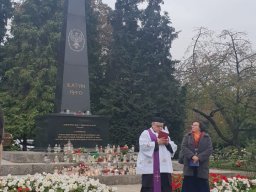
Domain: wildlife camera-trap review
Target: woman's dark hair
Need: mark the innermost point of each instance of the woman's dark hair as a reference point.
(201, 125)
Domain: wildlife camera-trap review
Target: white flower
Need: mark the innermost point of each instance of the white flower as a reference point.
(41, 188)
(52, 182)
(214, 190)
(253, 182)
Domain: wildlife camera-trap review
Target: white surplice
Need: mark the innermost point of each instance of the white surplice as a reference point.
(145, 156)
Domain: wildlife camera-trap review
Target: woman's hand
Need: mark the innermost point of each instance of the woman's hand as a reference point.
(195, 158)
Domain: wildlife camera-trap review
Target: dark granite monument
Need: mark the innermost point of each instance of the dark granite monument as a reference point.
(73, 120)
(73, 79)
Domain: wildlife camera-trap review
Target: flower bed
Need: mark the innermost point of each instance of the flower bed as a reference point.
(52, 183)
(232, 158)
(220, 183)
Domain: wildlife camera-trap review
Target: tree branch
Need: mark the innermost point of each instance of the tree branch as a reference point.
(215, 111)
(209, 118)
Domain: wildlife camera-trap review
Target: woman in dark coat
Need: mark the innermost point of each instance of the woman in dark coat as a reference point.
(196, 149)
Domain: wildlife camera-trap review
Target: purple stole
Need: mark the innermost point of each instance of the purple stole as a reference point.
(156, 166)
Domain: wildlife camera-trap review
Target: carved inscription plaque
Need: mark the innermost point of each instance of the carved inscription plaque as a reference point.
(81, 130)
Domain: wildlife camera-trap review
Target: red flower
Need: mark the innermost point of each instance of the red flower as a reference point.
(83, 165)
(20, 189)
(105, 170)
(241, 177)
(215, 178)
(77, 151)
(124, 147)
(177, 180)
(238, 163)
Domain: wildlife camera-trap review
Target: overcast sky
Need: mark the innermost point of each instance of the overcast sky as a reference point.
(216, 15)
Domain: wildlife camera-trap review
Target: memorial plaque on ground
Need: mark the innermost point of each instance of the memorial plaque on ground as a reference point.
(81, 130)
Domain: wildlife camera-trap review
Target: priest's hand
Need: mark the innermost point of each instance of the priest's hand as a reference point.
(162, 141)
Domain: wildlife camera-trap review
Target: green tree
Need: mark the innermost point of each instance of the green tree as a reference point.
(222, 69)
(28, 81)
(5, 14)
(6, 11)
(118, 101)
(98, 40)
(163, 92)
(140, 71)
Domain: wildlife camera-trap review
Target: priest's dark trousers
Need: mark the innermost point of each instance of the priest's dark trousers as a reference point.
(147, 182)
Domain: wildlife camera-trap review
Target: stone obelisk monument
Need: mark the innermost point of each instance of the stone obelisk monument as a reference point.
(72, 119)
(73, 78)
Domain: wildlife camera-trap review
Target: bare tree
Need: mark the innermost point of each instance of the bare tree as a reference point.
(223, 67)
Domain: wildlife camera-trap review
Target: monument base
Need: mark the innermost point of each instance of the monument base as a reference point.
(81, 130)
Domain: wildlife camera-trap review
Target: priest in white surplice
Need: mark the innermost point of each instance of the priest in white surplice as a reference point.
(154, 158)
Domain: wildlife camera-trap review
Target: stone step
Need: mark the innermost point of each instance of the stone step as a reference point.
(25, 156)
(18, 167)
(32, 168)
(36, 157)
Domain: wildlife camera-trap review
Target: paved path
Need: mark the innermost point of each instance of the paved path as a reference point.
(128, 188)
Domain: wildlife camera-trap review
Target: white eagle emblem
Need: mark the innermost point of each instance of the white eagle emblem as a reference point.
(76, 40)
